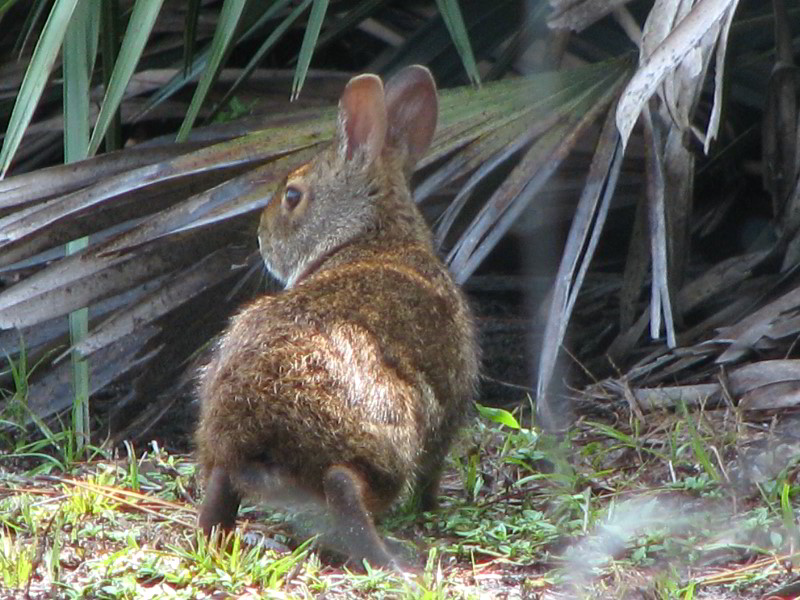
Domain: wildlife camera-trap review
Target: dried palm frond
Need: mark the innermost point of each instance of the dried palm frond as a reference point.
(165, 232)
(678, 42)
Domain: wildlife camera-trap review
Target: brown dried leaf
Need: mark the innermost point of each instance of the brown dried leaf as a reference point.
(776, 319)
(769, 384)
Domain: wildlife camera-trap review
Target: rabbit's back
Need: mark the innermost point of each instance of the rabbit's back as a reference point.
(405, 298)
(362, 362)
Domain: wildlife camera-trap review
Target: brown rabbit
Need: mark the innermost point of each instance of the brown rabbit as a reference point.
(350, 384)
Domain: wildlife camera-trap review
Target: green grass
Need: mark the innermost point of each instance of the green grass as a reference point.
(604, 511)
(31, 437)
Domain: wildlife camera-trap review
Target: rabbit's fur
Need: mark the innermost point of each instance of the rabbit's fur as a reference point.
(352, 382)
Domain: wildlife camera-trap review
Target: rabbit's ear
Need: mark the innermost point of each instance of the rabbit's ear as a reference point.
(412, 107)
(361, 127)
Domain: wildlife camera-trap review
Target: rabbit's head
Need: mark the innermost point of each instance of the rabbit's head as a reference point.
(352, 190)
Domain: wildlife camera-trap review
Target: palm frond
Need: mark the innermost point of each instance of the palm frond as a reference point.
(141, 23)
(160, 255)
(44, 56)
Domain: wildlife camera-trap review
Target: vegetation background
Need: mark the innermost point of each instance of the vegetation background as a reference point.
(640, 283)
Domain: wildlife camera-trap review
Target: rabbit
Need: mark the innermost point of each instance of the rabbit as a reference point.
(349, 385)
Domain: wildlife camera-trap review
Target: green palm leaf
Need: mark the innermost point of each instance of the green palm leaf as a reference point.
(223, 35)
(315, 20)
(44, 56)
(141, 23)
(451, 13)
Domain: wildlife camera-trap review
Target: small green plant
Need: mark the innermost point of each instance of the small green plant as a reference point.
(16, 560)
(88, 499)
(56, 449)
(230, 561)
(701, 483)
(16, 405)
(789, 519)
(52, 557)
(698, 445)
(498, 415)
(133, 467)
(234, 109)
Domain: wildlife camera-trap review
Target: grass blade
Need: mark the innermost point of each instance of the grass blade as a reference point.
(190, 32)
(109, 31)
(195, 64)
(271, 40)
(139, 27)
(77, 66)
(789, 522)
(228, 20)
(698, 444)
(315, 19)
(454, 20)
(36, 76)
(80, 48)
(34, 14)
(177, 83)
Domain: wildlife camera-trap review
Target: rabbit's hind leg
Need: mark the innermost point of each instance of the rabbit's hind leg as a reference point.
(428, 489)
(345, 493)
(221, 503)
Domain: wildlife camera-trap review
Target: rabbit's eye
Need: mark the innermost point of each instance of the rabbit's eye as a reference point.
(292, 196)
